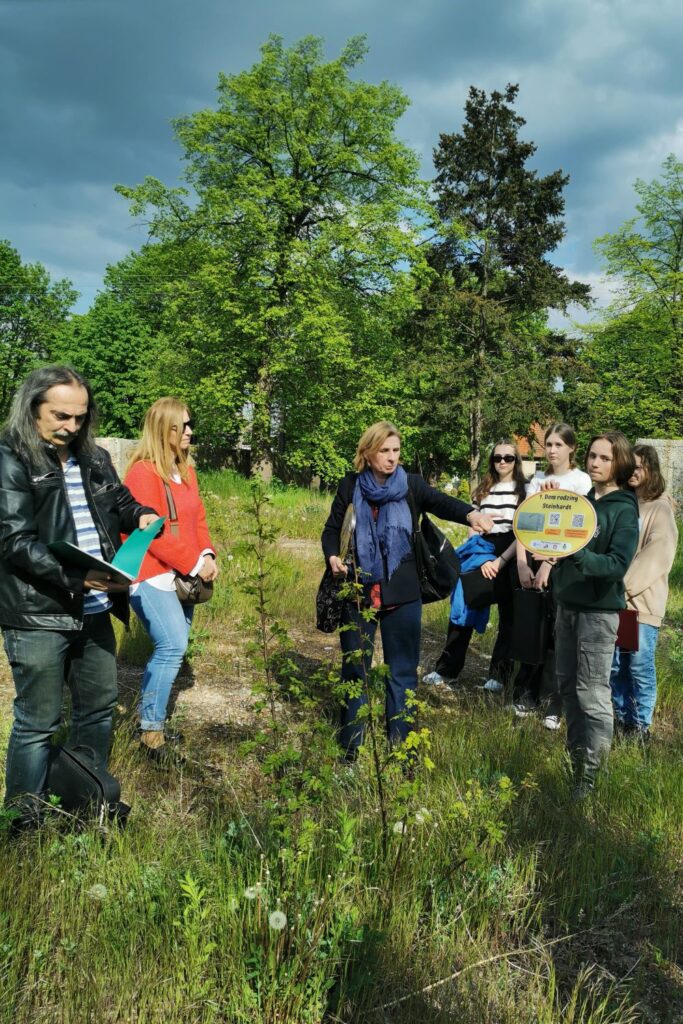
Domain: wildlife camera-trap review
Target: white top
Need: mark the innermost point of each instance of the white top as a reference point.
(574, 480)
(501, 501)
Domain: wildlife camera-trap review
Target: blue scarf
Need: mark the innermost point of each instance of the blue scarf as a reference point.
(390, 538)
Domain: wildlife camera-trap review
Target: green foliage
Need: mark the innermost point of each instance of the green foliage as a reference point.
(112, 345)
(481, 330)
(630, 374)
(33, 312)
(495, 894)
(287, 263)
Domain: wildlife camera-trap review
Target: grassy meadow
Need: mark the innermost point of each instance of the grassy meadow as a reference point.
(264, 882)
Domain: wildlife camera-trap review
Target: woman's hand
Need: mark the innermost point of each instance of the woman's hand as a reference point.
(209, 571)
(542, 575)
(490, 570)
(526, 577)
(481, 522)
(337, 566)
(550, 485)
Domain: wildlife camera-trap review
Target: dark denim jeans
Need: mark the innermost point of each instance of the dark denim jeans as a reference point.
(400, 630)
(41, 660)
(634, 680)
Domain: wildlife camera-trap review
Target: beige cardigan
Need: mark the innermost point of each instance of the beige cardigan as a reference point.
(647, 579)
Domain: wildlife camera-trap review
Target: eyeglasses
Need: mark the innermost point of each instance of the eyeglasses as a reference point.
(187, 425)
(503, 458)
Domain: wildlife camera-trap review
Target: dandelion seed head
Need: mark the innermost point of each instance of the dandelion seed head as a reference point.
(97, 892)
(277, 920)
(252, 891)
(399, 828)
(423, 815)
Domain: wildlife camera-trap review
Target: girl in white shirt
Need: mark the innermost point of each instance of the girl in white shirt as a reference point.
(560, 450)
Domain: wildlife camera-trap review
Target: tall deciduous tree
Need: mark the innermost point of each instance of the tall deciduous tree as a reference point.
(33, 310)
(298, 219)
(497, 221)
(632, 359)
(112, 345)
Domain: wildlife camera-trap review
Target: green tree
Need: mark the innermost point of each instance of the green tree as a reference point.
(631, 369)
(484, 313)
(297, 228)
(113, 346)
(33, 310)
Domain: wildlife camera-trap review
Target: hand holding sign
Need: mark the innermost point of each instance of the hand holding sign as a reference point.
(554, 523)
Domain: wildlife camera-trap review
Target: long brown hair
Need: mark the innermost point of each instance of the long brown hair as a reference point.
(654, 484)
(566, 433)
(491, 477)
(157, 432)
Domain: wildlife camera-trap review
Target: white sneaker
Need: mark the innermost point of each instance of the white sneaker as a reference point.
(493, 686)
(552, 722)
(433, 679)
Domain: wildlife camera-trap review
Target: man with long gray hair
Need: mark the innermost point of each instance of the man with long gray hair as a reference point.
(57, 485)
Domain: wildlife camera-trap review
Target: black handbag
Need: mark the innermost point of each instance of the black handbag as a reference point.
(190, 589)
(438, 566)
(531, 610)
(328, 603)
(83, 786)
(480, 592)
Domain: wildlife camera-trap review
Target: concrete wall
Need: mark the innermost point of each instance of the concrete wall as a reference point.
(120, 449)
(671, 460)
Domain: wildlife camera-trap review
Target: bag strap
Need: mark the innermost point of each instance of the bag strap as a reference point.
(172, 511)
(413, 512)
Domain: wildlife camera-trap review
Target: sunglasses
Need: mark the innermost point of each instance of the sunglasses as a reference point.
(187, 425)
(503, 458)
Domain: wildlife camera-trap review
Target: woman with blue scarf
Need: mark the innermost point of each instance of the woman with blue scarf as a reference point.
(384, 553)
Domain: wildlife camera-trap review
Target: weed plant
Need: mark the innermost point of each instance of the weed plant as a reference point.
(268, 890)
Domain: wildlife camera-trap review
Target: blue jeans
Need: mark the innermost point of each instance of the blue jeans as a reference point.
(400, 629)
(41, 660)
(167, 622)
(634, 680)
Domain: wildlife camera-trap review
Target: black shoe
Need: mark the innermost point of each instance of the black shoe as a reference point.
(166, 756)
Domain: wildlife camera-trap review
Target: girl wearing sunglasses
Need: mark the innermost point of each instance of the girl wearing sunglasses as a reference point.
(498, 495)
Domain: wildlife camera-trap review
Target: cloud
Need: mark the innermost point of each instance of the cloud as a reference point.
(88, 91)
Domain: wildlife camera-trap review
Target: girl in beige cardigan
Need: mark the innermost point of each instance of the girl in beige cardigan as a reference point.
(634, 678)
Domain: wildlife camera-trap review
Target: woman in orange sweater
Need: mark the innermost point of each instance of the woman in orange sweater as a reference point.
(161, 460)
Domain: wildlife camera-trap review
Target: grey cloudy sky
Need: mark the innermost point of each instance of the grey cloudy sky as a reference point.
(88, 89)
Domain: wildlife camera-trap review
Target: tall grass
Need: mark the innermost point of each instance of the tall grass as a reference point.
(499, 899)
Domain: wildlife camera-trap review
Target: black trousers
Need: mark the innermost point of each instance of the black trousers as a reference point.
(452, 658)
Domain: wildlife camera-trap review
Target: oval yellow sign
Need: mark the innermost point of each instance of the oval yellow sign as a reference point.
(554, 523)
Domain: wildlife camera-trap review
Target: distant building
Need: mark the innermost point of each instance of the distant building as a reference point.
(532, 449)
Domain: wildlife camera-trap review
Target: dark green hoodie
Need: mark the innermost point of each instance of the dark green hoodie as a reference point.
(593, 578)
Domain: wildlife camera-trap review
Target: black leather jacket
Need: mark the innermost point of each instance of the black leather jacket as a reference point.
(36, 591)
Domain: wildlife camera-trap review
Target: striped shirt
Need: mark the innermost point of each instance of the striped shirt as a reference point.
(87, 537)
(501, 501)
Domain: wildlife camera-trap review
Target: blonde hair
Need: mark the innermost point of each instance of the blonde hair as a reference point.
(372, 440)
(155, 444)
